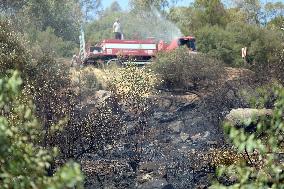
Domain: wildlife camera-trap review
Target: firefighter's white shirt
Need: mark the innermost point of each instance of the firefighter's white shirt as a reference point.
(116, 27)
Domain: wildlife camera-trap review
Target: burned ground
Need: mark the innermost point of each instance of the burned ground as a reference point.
(169, 144)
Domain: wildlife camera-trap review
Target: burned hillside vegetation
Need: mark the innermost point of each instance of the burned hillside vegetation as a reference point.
(160, 94)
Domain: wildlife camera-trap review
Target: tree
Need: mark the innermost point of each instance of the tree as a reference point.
(63, 16)
(148, 4)
(235, 15)
(24, 163)
(9, 7)
(252, 9)
(90, 8)
(211, 12)
(185, 19)
(274, 12)
(115, 7)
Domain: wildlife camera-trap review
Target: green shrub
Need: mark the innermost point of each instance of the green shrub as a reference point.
(24, 163)
(180, 69)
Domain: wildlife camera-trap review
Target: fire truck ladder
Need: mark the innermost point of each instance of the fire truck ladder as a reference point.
(82, 53)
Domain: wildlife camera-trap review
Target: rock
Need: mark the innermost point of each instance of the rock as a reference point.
(206, 134)
(184, 136)
(154, 184)
(176, 126)
(164, 103)
(164, 117)
(186, 106)
(144, 178)
(196, 137)
(212, 143)
(242, 116)
(233, 179)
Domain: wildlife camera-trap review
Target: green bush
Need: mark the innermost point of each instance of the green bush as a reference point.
(24, 163)
(181, 69)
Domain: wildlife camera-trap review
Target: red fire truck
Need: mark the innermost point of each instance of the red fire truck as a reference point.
(137, 51)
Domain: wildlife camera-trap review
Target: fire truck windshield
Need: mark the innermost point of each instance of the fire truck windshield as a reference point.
(188, 42)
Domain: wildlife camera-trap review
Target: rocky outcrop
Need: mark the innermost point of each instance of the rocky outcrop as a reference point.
(241, 116)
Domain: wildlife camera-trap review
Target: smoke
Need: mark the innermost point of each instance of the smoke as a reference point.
(145, 24)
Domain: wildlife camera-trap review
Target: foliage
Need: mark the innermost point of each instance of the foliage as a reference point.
(275, 12)
(276, 64)
(276, 23)
(252, 10)
(90, 8)
(148, 4)
(185, 19)
(179, 68)
(114, 7)
(40, 21)
(263, 168)
(219, 44)
(23, 162)
(132, 86)
(13, 53)
(132, 81)
(225, 44)
(49, 43)
(62, 16)
(210, 12)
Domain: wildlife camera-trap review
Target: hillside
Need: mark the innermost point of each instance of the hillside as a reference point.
(206, 112)
(179, 131)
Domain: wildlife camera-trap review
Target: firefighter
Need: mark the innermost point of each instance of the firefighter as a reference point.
(117, 29)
